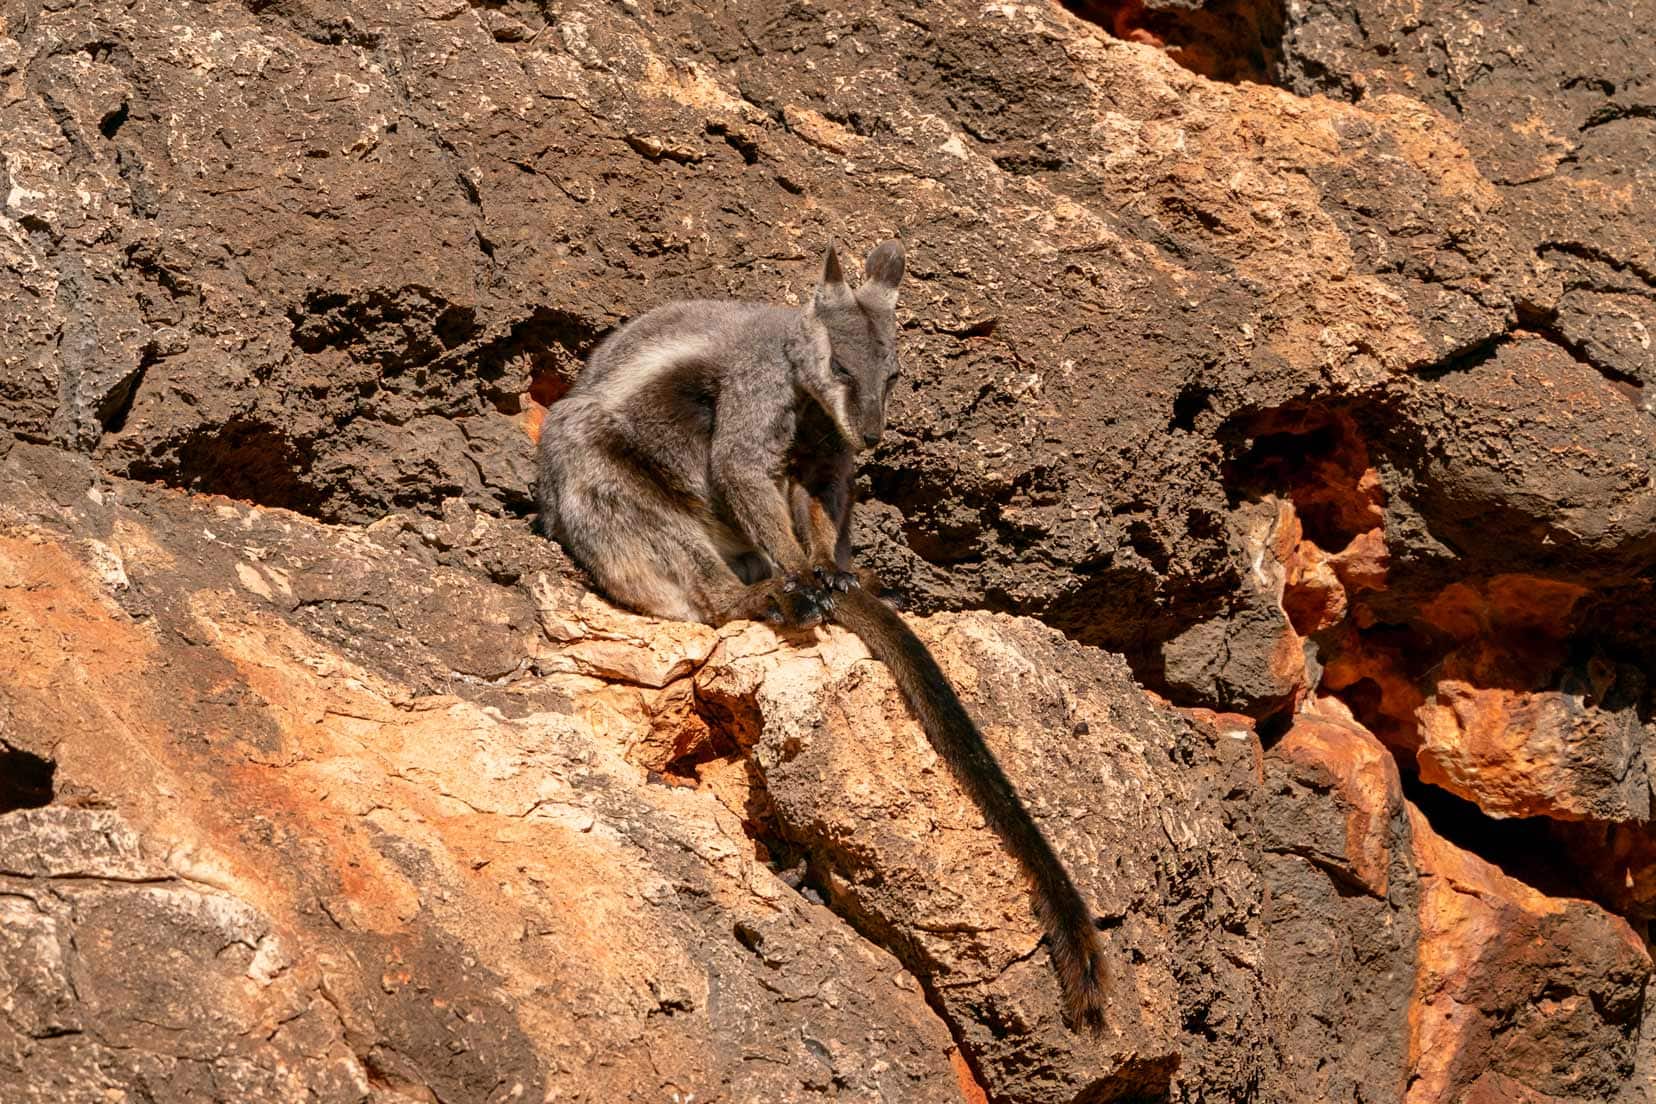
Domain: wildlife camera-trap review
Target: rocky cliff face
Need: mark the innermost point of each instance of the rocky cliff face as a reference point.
(1272, 466)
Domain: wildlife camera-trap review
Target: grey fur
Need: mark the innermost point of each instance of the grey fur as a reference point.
(701, 470)
(700, 467)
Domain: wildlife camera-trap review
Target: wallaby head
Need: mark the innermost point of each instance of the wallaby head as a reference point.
(855, 362)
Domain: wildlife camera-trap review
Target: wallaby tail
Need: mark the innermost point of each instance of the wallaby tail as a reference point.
(1076, 951)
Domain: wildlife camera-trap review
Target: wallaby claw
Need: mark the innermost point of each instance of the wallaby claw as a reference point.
(833, 579)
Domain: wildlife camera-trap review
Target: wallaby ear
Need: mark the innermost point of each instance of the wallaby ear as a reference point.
(882, 272)
(885, 265)
(831, 290)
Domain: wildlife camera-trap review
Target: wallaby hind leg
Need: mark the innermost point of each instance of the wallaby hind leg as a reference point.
(630, 573)
(750, 567)
(666, 565)
(764, 601)
(634, 549)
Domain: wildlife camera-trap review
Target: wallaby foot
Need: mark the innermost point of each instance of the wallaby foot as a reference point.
(801, 600)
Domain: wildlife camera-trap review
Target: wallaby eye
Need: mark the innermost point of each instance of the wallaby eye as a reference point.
(840, 371)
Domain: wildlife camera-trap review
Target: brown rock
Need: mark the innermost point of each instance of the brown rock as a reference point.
(1251, 659)
(1364, 776)
(214, 1004)
(349, 887)
(1618, 861)
(1342, 912)
(855, 785)
(1380, 920)
(1509, 724)
(490, 849)
(1515, 990)
(1551, 110)
(1531, 460)
(337, 255)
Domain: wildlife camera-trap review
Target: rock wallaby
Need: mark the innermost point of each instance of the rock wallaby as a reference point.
(701, 468)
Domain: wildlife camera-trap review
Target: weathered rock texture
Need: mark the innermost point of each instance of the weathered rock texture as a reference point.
(1322, 410)
(1509, 994)
(281, 867)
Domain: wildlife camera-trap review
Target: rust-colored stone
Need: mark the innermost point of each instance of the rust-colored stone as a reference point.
(1501, 988)
(1510, 724)
(1313, 595)
(335, 879)
(1365, 776)
(1516, 990)
(1372, 673)
(1363, 564)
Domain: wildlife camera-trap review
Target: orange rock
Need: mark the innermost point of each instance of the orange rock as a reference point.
(1364, 563)
(1507, 724)
(1317, 458)
(1525, 614)
(970, 1091)
(676, 731)
(531, 418)
(1365, 776)
(1501, 992)
(1542, 753)
(1515, 990)
(1313, 595)
(339, 866)
(1371, 673)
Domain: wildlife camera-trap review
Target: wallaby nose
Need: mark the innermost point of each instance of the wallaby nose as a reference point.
(870, 440)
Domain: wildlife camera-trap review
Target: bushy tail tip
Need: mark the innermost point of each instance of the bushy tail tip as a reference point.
(1083, 975)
